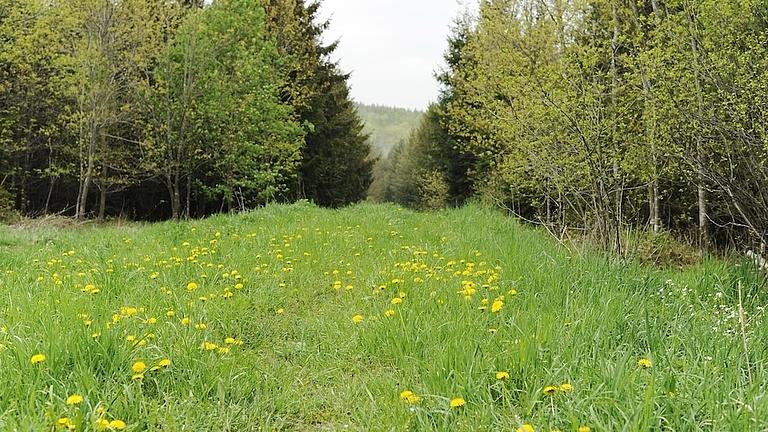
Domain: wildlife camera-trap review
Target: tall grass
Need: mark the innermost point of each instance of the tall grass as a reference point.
(285, 282)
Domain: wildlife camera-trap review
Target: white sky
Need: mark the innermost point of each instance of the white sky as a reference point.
(392, 47)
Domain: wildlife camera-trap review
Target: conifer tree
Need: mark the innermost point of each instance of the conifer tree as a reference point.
(336, 163)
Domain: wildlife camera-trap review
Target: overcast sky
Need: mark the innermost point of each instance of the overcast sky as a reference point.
(392, 47)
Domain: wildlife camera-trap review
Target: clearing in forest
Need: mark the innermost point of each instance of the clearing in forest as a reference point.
(366, 318)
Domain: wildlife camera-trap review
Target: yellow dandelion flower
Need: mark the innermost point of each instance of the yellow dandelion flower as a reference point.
(186, 321)
(37, 358)
(584, 429)
(164, 362)
(644, 363)
(413, 399)
(191, 286)
(117, 425)
(102, 424)
(502, 375)
(229, 341)
(209, 346)
(389, 313)
(526, 428)
(357, 319)
(497, 306)
(280, 311)
(565, 387)
(152, 320)
(550, 390)
(458, 402)
(137, 377)
(201, 326)
(65, 422)
(396, 301)
(170, 314)
(138, 367)
(74, 399)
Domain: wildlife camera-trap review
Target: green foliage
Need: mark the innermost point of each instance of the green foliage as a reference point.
(218, 119)
(156, 108)
(605, 115)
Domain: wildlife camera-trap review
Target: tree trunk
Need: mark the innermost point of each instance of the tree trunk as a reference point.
(102, 202)
(187, 212)
(81, 207)
(51, 185)
(176, 197)
(700, 166)
(618, 193)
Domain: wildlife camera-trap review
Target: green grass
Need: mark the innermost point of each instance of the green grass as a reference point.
(574, 319)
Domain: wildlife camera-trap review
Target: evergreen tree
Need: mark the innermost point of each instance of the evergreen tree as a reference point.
(336, 159)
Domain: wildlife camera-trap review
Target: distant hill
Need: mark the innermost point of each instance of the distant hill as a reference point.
(388, 125)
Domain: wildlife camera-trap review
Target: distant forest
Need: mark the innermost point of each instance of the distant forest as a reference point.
(387, 126)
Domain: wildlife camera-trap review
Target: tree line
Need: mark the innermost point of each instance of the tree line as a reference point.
(153, 109)
(602, 115)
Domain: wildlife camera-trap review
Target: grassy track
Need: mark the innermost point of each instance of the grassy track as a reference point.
(287, 318)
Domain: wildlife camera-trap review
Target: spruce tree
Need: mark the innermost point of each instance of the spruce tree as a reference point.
(336, 163)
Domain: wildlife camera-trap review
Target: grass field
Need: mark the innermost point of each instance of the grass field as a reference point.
(371, 318)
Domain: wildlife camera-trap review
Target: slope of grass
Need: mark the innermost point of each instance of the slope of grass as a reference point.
(297, 318)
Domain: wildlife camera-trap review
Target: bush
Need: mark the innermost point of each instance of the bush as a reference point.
(8, 213)
(433, 191)
(660, 249)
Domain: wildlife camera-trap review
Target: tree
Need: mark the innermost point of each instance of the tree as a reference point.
(216, 114)
(336, 159)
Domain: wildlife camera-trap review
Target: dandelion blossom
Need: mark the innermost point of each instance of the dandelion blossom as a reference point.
(65, 422)
(584, 429)
(102, 424)
(525, 428)
(117, 425)
(502, 375)
(138, 367)
(550, 390)
(389, 313)
(644, 363)
(497, 306)
(357, 319)
(457, 402)
(565, 387)
(37, 358)
(74, 399)
(209, 346)
(410, 397)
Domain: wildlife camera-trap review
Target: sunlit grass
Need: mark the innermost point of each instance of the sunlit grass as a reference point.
(368, 318)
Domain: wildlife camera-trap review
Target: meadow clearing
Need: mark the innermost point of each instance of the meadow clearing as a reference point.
(371, 318)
